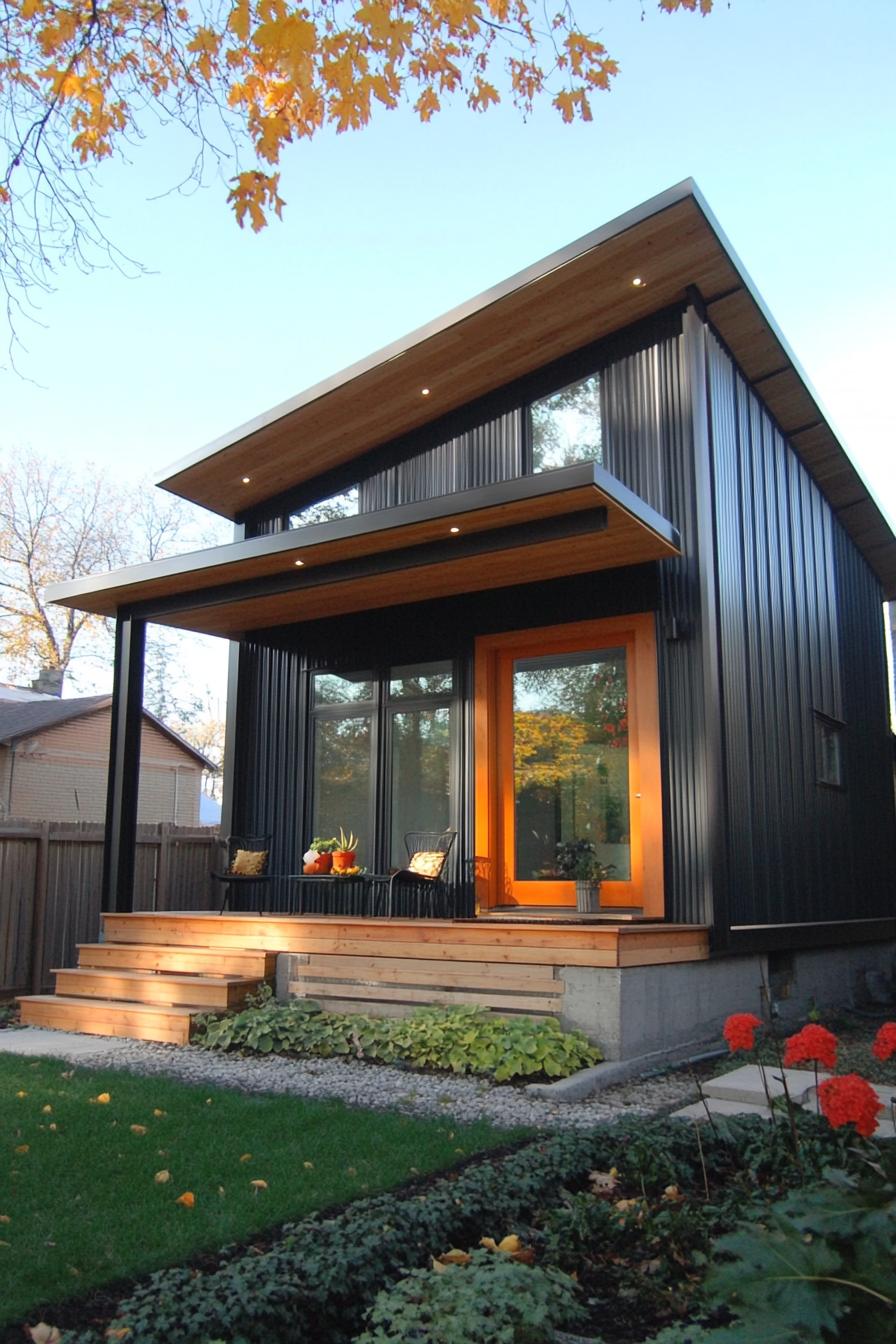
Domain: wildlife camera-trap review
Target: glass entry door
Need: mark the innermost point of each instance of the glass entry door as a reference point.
(567, 764)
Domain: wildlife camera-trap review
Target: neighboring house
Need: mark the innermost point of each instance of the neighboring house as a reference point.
(54, 762)
(603, 572)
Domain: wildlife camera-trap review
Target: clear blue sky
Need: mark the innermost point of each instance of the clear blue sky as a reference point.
(782, 110)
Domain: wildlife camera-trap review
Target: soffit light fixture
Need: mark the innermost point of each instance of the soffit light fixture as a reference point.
(639, 282)
(299, 563)
(424, 391)
(246, 480)
(454, 529)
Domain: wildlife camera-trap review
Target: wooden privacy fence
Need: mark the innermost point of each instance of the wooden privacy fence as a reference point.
(50, 876)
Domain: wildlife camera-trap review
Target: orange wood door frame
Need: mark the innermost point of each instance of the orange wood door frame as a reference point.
(493, 736)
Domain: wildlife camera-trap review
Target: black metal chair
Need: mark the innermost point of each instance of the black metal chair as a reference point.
(246, 853)
(428, 853)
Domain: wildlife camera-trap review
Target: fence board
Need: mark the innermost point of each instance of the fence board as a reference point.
(172, 867)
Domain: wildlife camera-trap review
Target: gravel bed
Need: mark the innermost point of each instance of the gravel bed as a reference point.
(382, 1087)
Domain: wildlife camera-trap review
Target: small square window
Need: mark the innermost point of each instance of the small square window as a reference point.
(829, 751)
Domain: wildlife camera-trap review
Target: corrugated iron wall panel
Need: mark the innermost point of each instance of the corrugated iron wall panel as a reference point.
(483, 455)
(649, 445)
(785, 628)
(268, 794)
(871, 876)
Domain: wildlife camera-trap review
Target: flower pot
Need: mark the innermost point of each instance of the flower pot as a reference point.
(343, 859)
(587, 896)
(322, 864)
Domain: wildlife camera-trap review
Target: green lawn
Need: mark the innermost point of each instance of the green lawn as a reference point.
(80, 1199)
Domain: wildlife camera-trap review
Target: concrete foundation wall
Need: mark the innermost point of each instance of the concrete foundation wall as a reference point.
(681, 1008)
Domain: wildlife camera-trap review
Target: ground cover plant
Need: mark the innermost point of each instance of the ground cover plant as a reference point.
(726, 1232)
(461, 1040)
(108, 1175)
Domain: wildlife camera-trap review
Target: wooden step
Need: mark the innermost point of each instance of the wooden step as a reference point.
(250, 964)
(202, 992)
(101, 1017)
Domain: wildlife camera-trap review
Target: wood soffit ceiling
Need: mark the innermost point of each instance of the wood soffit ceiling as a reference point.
(576, 296)
(535, 528)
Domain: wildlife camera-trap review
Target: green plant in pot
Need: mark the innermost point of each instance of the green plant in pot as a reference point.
(576, 859)
(318, 858)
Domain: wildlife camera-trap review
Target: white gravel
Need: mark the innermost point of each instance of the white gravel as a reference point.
(382, 1087)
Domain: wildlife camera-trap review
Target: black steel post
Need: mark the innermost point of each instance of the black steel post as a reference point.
(124, 766)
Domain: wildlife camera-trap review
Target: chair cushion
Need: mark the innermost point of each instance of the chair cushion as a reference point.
(249, 862)
(426, 863)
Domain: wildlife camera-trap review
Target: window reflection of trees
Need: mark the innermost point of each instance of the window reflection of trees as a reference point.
(570, 758)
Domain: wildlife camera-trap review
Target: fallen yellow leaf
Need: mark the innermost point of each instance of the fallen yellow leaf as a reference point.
(309, 1166)
(22, 1148)
(53, 1125)
(138, 1129)
(104, 1098)
(208, 1101)
(21, 1094)
(259, 1185)
(454, 1257)
(246, 1157)
(5, 1218)
(188, 1199)
(158, 1114)
(162, 1177)
(69, 1074)
(46, 1110)
(510, 1244)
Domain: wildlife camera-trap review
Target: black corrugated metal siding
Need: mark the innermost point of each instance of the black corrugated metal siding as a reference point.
(787, 625)
(483, 455)
(869, 741)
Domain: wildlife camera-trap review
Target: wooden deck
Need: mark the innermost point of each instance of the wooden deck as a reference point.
(153, 973)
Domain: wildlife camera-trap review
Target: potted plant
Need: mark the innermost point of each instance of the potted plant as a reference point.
(576, 859)
(318, 858)
(344, 852)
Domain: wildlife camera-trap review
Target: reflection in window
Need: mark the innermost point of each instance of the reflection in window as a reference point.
(336, 688)
(566, 426)
(343, 505)
(571, 760)
(342, 777)
(422, 679)
(421, 774)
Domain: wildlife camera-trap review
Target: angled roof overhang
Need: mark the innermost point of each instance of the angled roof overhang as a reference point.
(570, 521)
(578, 295)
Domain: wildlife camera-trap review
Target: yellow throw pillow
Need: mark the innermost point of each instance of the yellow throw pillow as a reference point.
(426, 863)
(249, 862)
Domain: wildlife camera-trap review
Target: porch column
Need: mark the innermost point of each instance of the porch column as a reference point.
(124, 766)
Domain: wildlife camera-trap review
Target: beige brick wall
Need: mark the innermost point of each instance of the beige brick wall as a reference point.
(60, 775)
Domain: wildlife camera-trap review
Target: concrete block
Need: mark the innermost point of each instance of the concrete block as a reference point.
(745, 1084)
(697, 1111)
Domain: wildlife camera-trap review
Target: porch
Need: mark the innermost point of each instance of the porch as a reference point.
(153, 973)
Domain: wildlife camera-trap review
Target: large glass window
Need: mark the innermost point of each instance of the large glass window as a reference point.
(570, 761)
(342, 505)
(396, 726)
(566, 426)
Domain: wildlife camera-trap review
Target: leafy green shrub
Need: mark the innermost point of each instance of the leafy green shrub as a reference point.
(492, 1300)
(460, 1040)
(819, 1267)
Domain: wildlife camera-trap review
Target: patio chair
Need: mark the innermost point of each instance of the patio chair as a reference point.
(427, 857)
(248, 857)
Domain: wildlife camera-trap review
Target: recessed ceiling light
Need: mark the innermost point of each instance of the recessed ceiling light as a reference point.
(454, 529)
(299, 563)
(246, 480)
(424, 391)
(638, 282)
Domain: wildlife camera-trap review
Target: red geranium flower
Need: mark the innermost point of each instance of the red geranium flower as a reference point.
(813, 1045)
(740, 1031)
(885, 1041)
(849, 1100)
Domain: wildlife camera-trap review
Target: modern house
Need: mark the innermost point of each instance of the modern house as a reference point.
(54, 762)
(580, 561)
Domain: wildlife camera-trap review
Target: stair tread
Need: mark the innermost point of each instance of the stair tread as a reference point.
(118, 1005)
(156, 977)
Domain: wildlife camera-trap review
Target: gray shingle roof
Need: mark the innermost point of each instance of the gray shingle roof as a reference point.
(20, 719)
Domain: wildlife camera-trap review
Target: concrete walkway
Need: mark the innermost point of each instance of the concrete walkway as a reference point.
(70, 1045)
(743, 1092)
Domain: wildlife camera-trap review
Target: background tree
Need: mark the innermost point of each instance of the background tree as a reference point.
(58, 524)
(80, 79)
